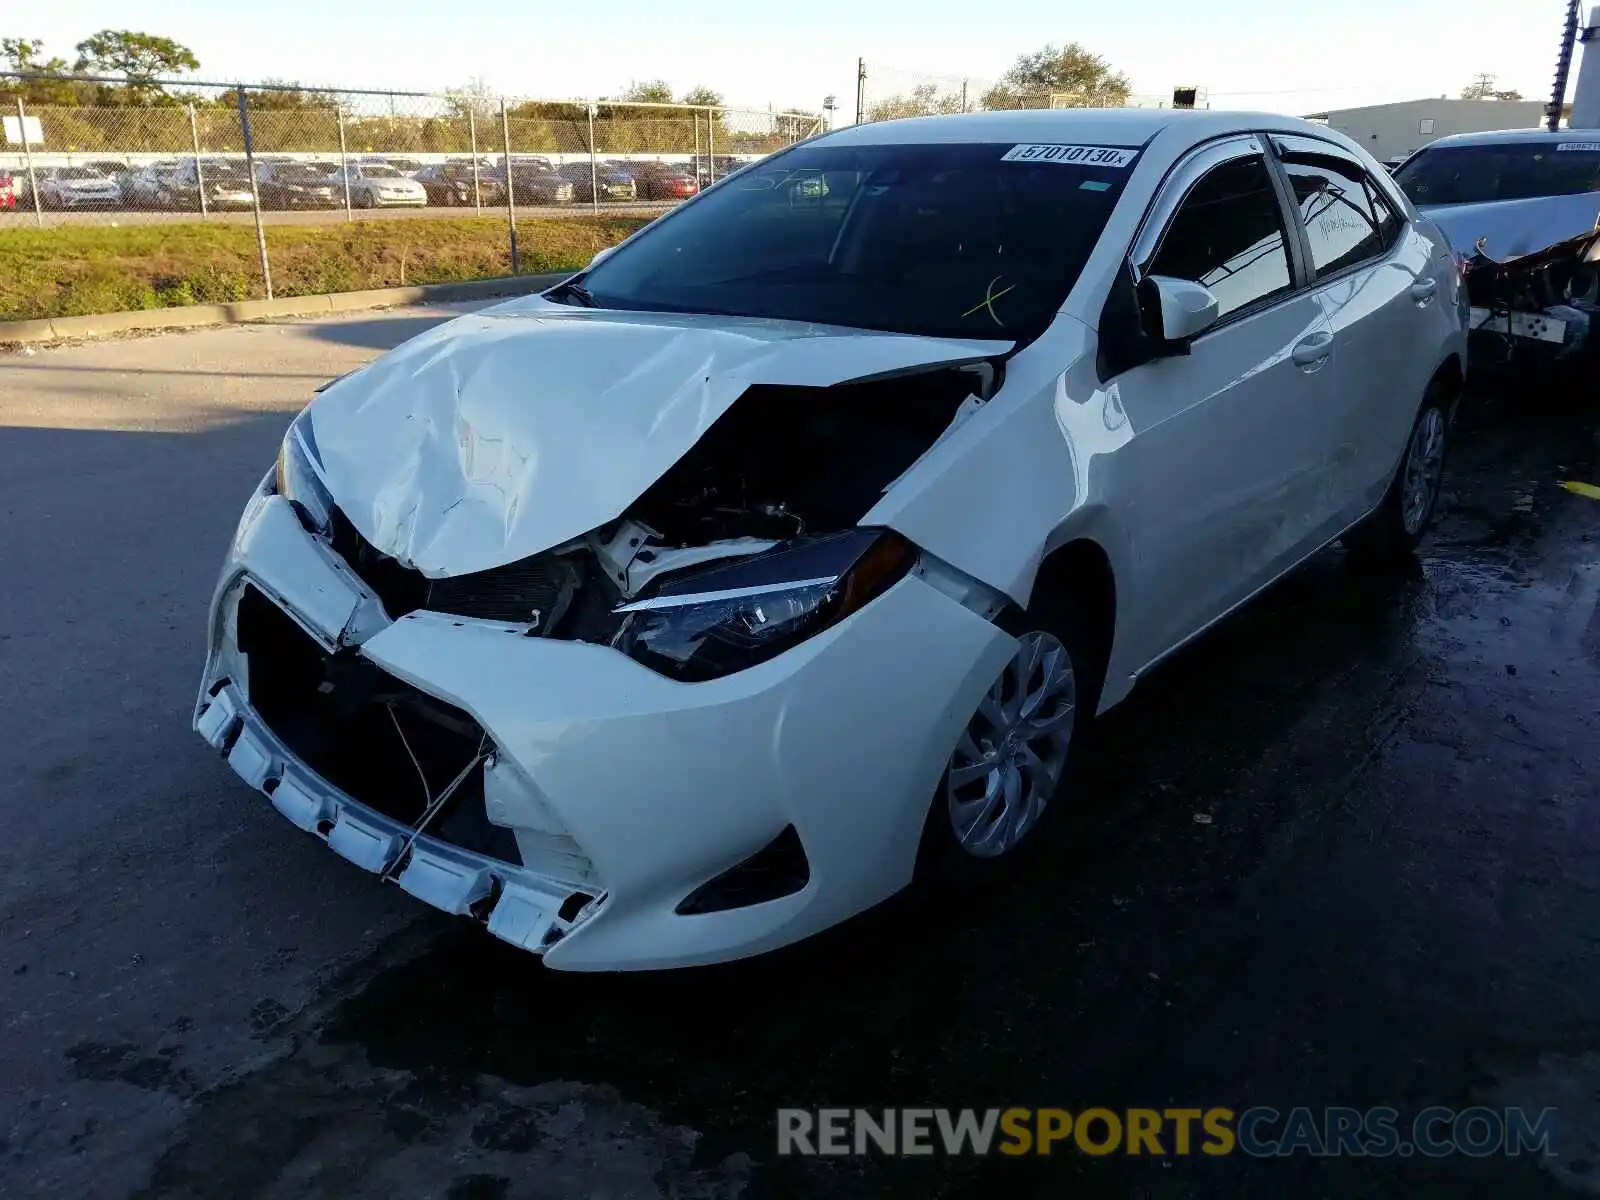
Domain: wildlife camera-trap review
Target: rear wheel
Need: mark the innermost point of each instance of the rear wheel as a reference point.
(1012, 766)
(364, 199)
(1396, 527)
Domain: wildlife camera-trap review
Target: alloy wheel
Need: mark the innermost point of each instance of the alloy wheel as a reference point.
(1010, 756)
(1423, 470)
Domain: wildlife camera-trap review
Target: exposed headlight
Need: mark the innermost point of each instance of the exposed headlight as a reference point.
(723, 620)
(299, 475)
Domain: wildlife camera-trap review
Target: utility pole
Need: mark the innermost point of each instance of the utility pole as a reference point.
(1558, 92)
(861, 89)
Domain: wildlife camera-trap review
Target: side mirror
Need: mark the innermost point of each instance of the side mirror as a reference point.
(1176, 310)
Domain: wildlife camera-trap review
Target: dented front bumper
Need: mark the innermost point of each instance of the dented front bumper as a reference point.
(626, 791)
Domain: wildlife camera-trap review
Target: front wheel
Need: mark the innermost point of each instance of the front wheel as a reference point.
(1013, 762)
(1396, 527)
(364, 199)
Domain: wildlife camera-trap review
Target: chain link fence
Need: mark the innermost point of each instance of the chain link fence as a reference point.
(579, 174)
(885, 93)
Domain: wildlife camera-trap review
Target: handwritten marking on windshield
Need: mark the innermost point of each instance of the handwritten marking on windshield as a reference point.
(989, 297)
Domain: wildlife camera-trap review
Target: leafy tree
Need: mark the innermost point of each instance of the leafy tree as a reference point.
(1056, 70)
(140, 58)
(924, 100)
(280, 94)
(24, 54)
(1482, 88)
(702, 97)
(651, 91)
(473, 97)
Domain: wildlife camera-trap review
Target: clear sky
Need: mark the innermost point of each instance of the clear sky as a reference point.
(1272, 54)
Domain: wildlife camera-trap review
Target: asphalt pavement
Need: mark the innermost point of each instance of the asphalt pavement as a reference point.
(1340, 852)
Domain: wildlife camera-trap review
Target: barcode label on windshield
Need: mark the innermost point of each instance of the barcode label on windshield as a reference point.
(1081, 156)
(1589, 146)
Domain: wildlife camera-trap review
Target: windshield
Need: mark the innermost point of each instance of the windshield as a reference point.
(376, 172)
(1513, 171)
(946, 240)
(299, 172)
(77, 173)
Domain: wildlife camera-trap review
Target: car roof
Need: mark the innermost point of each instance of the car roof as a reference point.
(1088, 126)
(1503, 137)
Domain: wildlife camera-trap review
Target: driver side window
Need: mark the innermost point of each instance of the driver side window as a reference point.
(1228, 236)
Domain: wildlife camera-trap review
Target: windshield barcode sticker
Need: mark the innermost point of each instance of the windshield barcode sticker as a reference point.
(1589, 146)
(1082, 156)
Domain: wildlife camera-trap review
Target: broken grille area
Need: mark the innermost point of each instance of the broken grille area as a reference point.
(513, 592)
(369, 734)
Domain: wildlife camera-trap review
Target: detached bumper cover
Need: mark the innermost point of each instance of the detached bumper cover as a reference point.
(517, 905)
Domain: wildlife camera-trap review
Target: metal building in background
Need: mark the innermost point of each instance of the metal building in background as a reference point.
(1390, 131)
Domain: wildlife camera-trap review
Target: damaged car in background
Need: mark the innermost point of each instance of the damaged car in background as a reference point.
(1521, 209)
(785, 555)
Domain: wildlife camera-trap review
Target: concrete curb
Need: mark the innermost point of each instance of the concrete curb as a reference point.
(189, 317)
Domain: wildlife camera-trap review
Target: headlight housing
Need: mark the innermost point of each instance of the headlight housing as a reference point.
(299, 475)
(722, 620)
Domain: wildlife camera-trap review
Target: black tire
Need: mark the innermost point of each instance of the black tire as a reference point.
(941, 858)
(364, 199)
(1397, 526)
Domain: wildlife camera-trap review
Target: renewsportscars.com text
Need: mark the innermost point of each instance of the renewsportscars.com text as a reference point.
(1260, 1132)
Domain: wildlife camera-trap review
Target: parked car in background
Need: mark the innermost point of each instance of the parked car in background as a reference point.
(664, 181)
(225, 183)
(534, 181)
(141, 186)
(286, 185)
(78, 187)
(613, 181)
(1521, 189)
(788, 552)
(452, 184)
(8, 192)
(405, 166)
(717, 166)
(379, 185)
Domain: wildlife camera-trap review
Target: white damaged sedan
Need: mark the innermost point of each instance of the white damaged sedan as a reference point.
(697, 604)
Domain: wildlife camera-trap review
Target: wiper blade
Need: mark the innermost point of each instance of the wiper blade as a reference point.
(577, 292)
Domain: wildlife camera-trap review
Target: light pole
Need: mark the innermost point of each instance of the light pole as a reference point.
(829, 103)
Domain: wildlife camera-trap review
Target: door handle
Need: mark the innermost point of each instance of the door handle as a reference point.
(1311, 351)
(1423, 289)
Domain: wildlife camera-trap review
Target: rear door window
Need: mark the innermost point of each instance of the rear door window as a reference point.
(1335, 207)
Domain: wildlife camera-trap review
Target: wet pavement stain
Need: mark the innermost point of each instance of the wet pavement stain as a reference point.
(125, 1064)
(1392, 902)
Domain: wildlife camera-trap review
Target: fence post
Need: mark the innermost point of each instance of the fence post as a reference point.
(711, 143)
(255, 194)
(472, 136)
(27, 154)
(963, 95)
(344, 167)
(694, 115)
(199, 178)
(594, 171)
(861, 88)
(511, 202)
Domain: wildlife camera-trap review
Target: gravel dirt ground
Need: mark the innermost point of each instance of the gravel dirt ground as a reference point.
(1343, 851)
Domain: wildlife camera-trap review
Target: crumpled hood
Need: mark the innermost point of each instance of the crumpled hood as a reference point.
(1515, 227)
(509, 431)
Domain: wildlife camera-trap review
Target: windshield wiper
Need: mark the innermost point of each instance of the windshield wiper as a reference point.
(576, 290)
